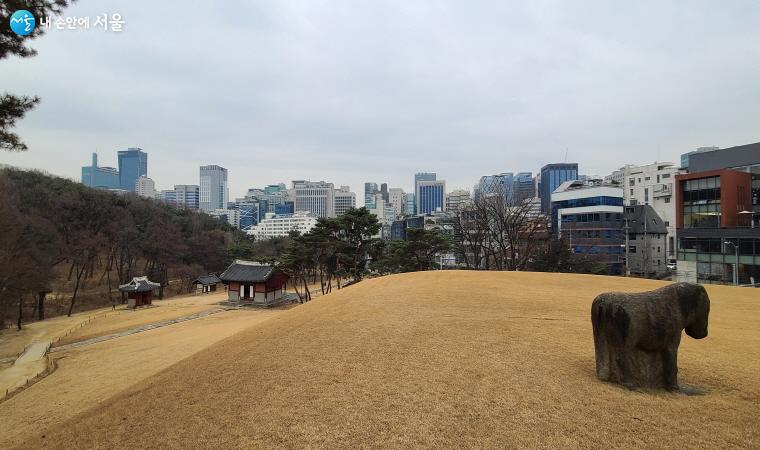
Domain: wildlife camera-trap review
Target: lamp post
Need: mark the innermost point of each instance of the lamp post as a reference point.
(736, 265)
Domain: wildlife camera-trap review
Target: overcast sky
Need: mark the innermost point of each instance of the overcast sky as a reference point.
(353, 91)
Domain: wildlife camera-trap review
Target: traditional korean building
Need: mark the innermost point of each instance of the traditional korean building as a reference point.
(139, 291)
(254, 282)
(206, 283)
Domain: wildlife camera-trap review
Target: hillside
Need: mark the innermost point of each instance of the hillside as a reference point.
(438, 359)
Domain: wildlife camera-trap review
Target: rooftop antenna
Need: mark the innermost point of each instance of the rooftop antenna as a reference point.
(565, 154)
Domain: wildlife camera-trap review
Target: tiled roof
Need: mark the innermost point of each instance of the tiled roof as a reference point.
(247, 271)
(139, 284)
(207, 280)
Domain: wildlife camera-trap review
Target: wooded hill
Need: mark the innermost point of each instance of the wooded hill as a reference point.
(74, 245)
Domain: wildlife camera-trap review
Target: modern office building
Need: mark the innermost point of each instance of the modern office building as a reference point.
(252, 211)
(590, 217)
(646, 235)
(685, 158)
(423, 176)
(273, 226)
(370, 189)
(145, 187)
(100, 177)
(133, 163)
(457, 198)
(552, 176)
(183, 196)
(230, 216)
(501, 184)
(384, 191)
(396, 199)
(344, 200)
(653, 184)
(410, 205)
(523, 187)
(399, 227)
(284, 208)
(431, 196)
(214, 192)
(316, 197)
(718, 216)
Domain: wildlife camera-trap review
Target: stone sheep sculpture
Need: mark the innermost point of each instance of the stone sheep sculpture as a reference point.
(636, 336)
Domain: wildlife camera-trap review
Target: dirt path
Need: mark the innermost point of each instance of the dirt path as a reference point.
(87, 375)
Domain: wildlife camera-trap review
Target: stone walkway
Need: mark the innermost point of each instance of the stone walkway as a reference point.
(139, 329)
(31, 363)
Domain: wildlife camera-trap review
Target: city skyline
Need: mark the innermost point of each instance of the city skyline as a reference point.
(353, 93)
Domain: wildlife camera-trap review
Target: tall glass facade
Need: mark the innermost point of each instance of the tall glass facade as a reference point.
(133, 163)
(553, 175)
(431, 197)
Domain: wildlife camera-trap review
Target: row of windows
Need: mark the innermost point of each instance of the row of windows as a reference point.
(717, 245)
(599, 250)
(711, 195)
(700, 184)
(601, 200)
(708, 219)
(592, 217)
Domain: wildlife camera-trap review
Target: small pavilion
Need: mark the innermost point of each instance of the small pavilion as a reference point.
(206, 283)
(139, 291)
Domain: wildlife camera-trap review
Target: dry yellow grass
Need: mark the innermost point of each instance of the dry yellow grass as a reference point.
(86, 376)
(437, 359)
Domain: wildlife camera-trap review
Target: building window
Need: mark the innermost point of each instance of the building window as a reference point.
(646, 195)
(631, 191)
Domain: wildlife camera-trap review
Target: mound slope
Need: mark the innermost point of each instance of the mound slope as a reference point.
(438, 359)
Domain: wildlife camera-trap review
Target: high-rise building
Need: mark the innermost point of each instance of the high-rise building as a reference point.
(100, 177)
(384, 191)
(231, 216)
(145, 187)
(316, 197)
(523, 187)
(501, 184)
(370, 189)
(214, 192)
(183, 196)
(133, 163)
(552, 176)
(423, 176)
(718, 217)
(457, 198)
(431, 196)
(410, 205)
(344, 200)
(653, 184)
(589, 216)
(396, 199)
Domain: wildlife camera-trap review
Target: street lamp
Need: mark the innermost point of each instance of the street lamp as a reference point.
(736, 266)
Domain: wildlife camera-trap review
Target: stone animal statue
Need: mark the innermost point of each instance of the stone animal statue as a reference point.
(636, 336)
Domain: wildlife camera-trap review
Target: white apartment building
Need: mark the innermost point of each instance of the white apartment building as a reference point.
(279, 226)
(145, 187)
(396, 199)
(344, 200)
(316, 197)
(654, 185)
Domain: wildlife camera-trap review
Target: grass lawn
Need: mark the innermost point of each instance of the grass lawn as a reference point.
(453, 358)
